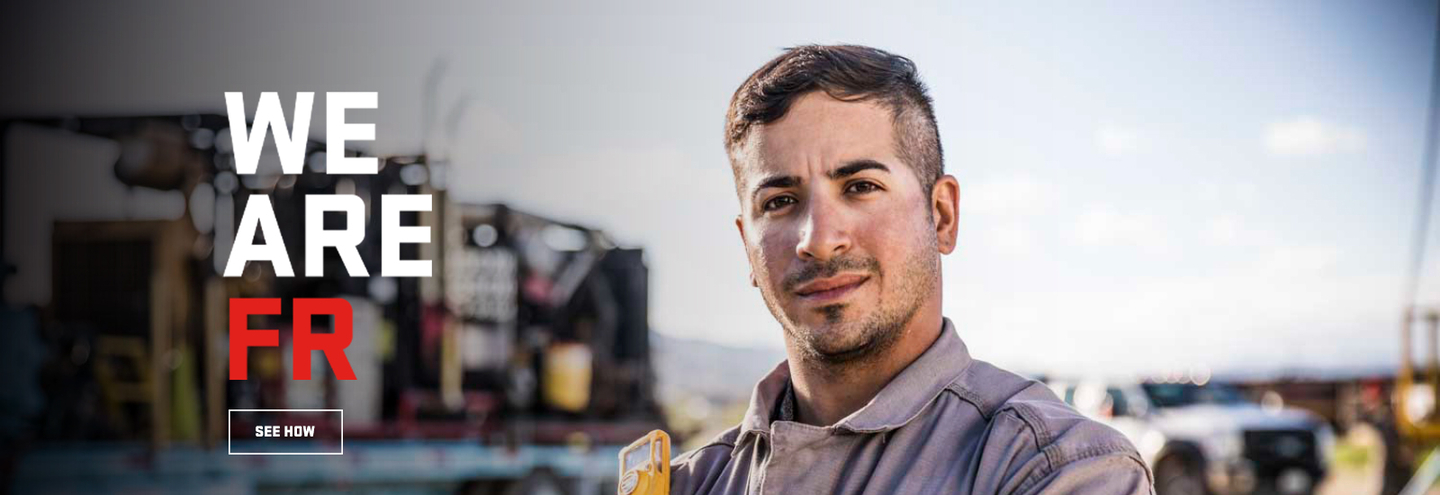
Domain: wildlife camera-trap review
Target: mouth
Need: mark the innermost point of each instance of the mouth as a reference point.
(830, 288)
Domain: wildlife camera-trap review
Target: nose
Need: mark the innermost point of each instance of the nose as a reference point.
(824, 234)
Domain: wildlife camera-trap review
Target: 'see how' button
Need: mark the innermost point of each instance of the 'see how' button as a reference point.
(287, 431)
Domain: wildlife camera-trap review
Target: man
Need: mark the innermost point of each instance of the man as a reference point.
(844, 213)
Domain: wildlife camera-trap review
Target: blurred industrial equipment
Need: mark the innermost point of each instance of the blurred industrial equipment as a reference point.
(522, 365)
(1414, 403)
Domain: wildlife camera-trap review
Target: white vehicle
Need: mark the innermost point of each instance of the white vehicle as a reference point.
(1209, 439)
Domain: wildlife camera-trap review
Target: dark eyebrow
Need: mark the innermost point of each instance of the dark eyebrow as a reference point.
(782, 181)
(856, 167)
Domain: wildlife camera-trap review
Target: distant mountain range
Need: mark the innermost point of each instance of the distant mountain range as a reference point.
(720, 373)
(724, 374)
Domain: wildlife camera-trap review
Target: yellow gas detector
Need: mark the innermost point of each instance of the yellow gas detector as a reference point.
(645, 466)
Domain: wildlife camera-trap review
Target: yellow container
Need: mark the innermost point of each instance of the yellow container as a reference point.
(565, 380)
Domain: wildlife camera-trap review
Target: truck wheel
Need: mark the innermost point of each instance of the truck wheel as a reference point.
(1176, 475)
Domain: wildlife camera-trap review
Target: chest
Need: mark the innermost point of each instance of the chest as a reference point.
(924, 456)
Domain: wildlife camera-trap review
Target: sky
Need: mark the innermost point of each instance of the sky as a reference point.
(1144, 186)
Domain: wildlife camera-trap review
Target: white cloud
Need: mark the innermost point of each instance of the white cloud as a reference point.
(1232, 231)
(1234, 317)
(1012, 238)
(1311, 260)
(1116, 140)
(1223, 231)
(1240, 193)
(1309, 136)
(1104, 226)
(485, 132)
(1010, 196)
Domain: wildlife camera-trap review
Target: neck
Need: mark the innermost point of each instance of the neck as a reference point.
(827, 393)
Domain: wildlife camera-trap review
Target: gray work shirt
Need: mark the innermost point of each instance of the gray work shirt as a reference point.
(946, 424)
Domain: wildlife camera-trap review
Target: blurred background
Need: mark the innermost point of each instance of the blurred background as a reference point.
(1206, 223)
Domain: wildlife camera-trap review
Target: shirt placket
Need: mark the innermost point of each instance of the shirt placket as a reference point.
(759, 464)
(796, 445)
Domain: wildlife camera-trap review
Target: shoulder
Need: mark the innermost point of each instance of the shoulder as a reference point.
(705, 466)
(1015, 404)
(721, 444)
(1033, 436)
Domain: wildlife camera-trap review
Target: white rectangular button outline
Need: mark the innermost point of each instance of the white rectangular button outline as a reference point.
(230, 433)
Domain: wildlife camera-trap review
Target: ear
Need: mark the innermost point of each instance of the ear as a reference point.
(740, 226)
(944, 207)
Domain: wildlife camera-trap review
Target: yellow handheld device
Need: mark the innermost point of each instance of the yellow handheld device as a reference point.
(645, 466)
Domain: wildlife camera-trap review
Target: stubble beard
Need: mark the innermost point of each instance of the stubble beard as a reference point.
(846, 345)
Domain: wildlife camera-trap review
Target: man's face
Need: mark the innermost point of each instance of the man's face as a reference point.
(838, 229)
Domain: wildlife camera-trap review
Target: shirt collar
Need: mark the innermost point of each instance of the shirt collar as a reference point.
(899, 402)
(785, 411)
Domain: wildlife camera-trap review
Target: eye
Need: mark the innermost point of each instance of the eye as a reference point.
(777, 202)
(862, 187)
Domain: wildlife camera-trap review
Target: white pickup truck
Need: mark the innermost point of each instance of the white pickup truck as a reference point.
(1209, 439)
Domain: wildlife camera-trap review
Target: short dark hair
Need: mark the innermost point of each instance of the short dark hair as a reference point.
(848, 73)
